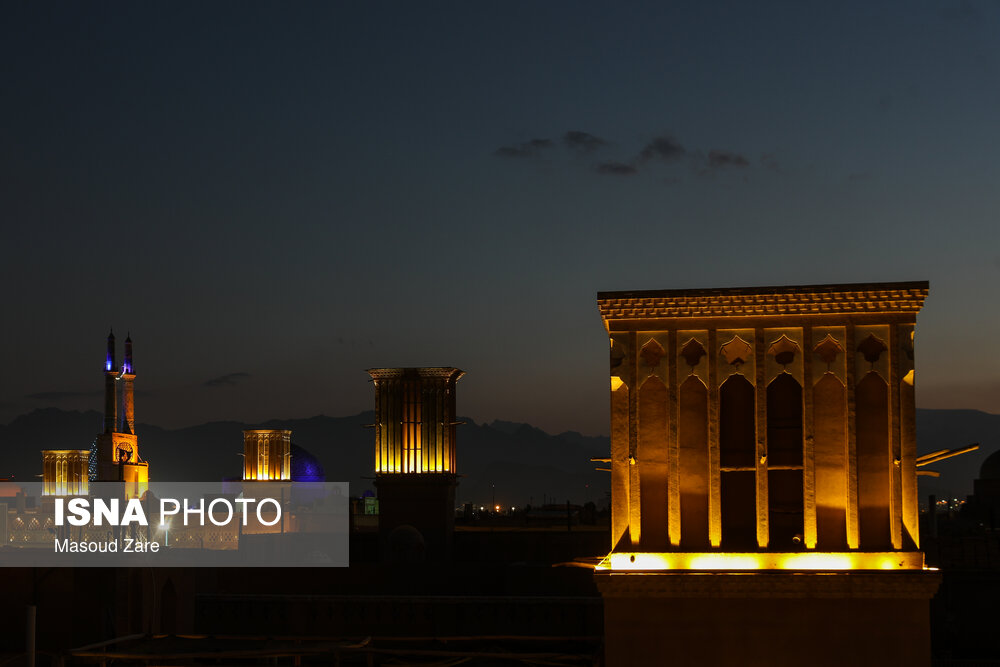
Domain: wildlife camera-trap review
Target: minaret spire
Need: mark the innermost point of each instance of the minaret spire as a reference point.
(109, 360)
(128, 401)
(127, 368)
(110, 393)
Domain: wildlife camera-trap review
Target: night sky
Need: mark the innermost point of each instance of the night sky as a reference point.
(273, 197)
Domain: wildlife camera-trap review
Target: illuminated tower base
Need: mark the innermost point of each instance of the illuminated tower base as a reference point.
(858, 618)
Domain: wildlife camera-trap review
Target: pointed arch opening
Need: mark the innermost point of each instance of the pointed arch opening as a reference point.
(737, 430)
(871, 398)
(784, 421)
(737, 451)
(784, 460)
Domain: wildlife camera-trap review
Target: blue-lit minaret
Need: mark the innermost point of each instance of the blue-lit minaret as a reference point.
(127, 367)
(110, 397)
(127, 377)
(109, 360)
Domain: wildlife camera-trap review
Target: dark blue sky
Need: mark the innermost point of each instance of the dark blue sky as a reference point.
(273, 197)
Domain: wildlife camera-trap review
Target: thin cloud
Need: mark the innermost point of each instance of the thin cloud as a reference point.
(619, 168)
(722, 159)
(664, 148)
(527, 149)
(582, 141)
(226, 380)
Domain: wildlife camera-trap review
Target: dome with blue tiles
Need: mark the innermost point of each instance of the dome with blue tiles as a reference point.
(305, 466)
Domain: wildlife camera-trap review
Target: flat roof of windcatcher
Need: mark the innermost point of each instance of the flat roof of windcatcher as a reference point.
(896, 297)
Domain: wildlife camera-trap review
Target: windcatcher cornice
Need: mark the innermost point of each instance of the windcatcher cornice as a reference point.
(841, 299)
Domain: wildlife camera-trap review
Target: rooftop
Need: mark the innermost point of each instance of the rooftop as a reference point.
(898, 297)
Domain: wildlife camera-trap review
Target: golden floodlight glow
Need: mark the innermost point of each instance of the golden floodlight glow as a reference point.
(815, 561)
(64, 472)
(818, 561)
(267, 455)
(724, 562)
(414, 419)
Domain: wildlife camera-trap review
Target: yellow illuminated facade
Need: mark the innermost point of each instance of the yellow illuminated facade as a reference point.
(772, 420)
(764, 466)
(267, 455)
(764, 560)
(415, 419)
(64, 472)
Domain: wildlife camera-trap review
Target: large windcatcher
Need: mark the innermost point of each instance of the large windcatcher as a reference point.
(773, 422)
(415, 420)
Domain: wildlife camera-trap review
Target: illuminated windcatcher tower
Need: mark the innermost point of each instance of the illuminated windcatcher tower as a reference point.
(415, 460)
(415, 412)
(65, 472)
(766, 432)
(115, 454)
(267, 455)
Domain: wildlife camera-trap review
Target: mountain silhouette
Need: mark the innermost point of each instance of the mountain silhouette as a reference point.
(504, 462)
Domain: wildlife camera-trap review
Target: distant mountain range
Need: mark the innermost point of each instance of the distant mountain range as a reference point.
(510, 462)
